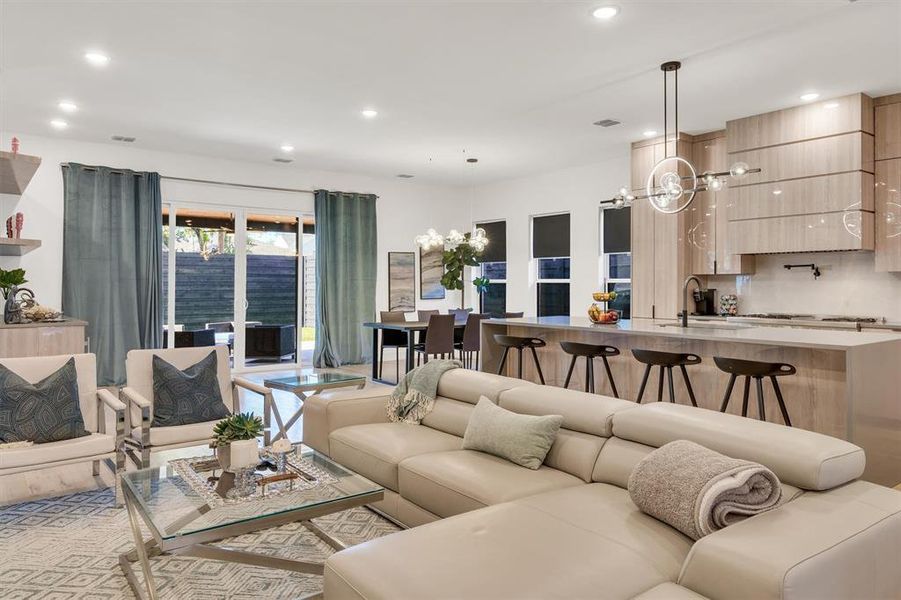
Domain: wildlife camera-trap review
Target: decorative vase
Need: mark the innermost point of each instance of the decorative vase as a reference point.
(244, 454)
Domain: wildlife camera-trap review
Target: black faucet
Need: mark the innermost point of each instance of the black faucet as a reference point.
(685, 297)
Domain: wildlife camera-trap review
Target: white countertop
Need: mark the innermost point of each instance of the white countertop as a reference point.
(749, 334)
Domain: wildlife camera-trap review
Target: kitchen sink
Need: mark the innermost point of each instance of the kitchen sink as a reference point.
(708, 325)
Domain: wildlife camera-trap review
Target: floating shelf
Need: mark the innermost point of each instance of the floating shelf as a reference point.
(16, 171)
(17, 247)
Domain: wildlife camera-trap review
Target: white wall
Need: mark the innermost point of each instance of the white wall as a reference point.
(577, 190)
(405, 208)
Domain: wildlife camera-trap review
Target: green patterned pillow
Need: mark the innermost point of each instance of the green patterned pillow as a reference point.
(189, 396)
(46, 411)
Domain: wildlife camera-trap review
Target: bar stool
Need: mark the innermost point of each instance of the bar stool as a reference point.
(520, 344)
(590, 352)
(666, 361)
(757, 370)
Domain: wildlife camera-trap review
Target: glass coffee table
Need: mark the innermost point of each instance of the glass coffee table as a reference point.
(303, 385)
(184, 516)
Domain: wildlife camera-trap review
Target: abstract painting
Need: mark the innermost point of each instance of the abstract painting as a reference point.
(431, 269)
(401, 281)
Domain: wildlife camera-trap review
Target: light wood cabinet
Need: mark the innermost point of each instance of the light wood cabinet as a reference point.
(852, 230)
(888, 215)
(888, 130)
(42, 339)
(829, 193)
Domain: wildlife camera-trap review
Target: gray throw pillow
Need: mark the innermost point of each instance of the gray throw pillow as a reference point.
(189, 396)
(522, 439)
(46, 411)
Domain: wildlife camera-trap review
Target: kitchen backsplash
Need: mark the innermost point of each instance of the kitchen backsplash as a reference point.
(848, 285)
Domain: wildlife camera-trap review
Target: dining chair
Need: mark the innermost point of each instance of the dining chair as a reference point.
(423, 316)
(392, 338)
(470, 347)
(440, 341)
(460, 315)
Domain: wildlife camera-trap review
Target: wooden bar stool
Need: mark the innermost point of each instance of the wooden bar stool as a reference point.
(757, 370)
(520, 344)
(590, 352)
(666, 361)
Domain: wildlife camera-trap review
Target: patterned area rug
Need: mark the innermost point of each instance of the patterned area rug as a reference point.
(68, 548)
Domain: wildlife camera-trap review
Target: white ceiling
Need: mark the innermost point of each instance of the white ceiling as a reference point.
(515, 83)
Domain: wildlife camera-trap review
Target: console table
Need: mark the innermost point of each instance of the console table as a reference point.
(43, 339)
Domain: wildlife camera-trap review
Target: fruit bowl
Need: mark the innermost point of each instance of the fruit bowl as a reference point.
(602, 317)
(603, 296)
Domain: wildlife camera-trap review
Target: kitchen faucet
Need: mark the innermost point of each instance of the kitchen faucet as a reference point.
(685, 297)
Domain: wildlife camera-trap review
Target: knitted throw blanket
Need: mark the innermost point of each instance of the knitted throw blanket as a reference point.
(699, 491)
(414, 396)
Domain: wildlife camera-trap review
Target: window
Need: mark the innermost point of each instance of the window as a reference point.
(616, 257)
(550, 253)
(494, 267)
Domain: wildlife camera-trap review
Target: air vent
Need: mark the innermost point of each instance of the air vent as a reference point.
(122, 138)
(283, 160)
(405, 176)
(606, 122)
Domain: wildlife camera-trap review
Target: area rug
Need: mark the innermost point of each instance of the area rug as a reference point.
(68, 547)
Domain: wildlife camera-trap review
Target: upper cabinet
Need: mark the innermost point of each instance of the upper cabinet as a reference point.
(815, 189)
(888, 183)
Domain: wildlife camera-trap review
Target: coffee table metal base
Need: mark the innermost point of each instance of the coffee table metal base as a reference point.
(302, 391)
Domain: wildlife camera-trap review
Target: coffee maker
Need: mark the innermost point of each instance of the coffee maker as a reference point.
(705, 302)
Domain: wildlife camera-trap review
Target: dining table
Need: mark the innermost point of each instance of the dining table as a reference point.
(410, 328)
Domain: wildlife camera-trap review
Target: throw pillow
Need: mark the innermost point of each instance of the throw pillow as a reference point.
(183, 397)
(521, 439)
(46, 411)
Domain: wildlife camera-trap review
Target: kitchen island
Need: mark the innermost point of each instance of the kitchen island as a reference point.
(848, 383)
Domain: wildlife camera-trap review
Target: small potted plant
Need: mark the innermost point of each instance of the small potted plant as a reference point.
(235, 441)
(10, 280)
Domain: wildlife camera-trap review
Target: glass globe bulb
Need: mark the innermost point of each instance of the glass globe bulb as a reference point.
(623, 191)
(739, 170)
(618, 202)
(715, 185)
(708, 177)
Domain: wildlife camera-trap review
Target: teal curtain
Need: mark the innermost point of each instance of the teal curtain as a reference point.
(112, 261)
(345, 277)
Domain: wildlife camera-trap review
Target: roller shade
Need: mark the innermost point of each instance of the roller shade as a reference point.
(496, 251)
(550, 236)
(617, 230)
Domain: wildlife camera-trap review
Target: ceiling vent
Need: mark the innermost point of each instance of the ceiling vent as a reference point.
(606, 122)
(405, 176)
(122, 138)
(283, 160)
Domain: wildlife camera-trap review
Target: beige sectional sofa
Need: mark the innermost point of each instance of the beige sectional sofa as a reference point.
(483, 527)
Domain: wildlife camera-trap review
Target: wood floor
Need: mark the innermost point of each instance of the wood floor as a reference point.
(46, 483)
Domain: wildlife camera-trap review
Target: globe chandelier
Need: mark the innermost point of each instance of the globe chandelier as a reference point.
(478, 239)
(673, 182)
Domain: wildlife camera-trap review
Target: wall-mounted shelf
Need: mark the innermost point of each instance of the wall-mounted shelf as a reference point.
(17, 247)
(16, 171)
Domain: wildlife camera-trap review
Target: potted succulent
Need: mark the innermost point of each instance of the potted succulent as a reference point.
(10, 280)
(235, 441)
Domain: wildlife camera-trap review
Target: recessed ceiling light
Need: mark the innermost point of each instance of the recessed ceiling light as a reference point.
(777, 192)
(287, 148)
(97, 59)
(67, 106)
(58, 124)
(369, 113)
(649, 133)
(831, 105)
(809, 96)
(605, 12)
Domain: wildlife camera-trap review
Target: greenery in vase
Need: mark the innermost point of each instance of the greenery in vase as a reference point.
(11, 279)
(239, 426)
(455, 260)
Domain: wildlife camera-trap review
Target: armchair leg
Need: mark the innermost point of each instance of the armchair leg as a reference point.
(95, 468)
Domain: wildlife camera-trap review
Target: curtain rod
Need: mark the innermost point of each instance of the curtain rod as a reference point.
(226, 183)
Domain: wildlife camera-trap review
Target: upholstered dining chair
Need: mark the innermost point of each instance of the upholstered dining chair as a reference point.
(392, 338)
(440, 341)
(143, 438)
(460, 315)
(103, 415)
(423, 316)
(470, 347)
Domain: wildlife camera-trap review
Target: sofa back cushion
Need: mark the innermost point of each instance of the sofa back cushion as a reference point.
(34, 369)
(468, 386)
(800, 458)
(449, 415)
(587, 423)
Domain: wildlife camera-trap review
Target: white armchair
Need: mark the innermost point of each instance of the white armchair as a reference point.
(103, 414)
(138, 394)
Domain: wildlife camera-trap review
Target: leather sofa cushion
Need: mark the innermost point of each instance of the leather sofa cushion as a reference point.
(609, 512)
(468, 386)
(450, 483)
(177, 434)
(586, 413)
(669, 591)
(375, 449)
(449, 415)
(43, 454)
(510, 551)
(805, 459)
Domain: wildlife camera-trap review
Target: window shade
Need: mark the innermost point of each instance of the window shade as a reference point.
(550, 236)
(617, 230)
(496, 250)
